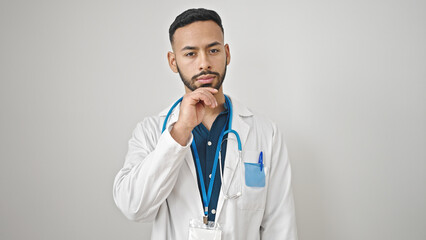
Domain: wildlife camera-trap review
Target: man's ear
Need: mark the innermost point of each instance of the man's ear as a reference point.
(228, 54)
(171, 57)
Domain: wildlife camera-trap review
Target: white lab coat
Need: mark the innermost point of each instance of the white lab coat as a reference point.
(158, 182)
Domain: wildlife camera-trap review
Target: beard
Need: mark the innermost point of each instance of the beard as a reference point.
(190, 83)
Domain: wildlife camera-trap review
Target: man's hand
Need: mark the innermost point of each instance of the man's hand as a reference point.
(192, 110)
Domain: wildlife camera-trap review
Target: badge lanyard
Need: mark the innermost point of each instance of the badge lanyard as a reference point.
(207, 195)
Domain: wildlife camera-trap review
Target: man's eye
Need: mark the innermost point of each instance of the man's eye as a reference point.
(190, 54)
(214, 50)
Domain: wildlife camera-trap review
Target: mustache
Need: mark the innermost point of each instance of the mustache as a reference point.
(205, 73)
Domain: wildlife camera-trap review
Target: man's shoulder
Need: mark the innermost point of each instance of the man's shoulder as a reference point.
(155, 119)
(149, 123)
(154, 123)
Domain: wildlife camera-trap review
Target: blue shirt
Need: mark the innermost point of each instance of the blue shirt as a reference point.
(206, 142)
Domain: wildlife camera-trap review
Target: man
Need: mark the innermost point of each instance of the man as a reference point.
(164, 172)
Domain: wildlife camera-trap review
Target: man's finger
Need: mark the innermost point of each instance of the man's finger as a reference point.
(208, 98)
(204, 95)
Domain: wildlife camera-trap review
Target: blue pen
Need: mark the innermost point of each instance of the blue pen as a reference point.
(261, 160)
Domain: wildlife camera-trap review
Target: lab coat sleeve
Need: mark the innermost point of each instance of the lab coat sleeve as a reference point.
(149, 173)
(279, 221)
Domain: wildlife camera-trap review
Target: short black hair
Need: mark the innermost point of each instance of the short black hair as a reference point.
(194, 15)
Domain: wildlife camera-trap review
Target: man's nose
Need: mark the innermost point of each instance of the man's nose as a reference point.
(204, 62)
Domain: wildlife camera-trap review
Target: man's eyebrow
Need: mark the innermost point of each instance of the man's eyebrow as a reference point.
(213, 44)
(194, 48)
(188, 48)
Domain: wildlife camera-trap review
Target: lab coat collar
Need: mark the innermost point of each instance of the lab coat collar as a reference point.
(240, 109)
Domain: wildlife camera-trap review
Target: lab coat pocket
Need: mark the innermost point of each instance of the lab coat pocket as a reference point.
(254, 182)
(254, 174)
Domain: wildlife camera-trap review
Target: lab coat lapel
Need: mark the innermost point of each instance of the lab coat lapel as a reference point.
(190, 161)
(242, 128)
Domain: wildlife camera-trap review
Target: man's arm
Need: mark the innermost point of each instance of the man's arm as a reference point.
(149, 172)
(279, 219)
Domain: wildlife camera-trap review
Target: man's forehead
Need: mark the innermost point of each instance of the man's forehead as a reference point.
(197, 34)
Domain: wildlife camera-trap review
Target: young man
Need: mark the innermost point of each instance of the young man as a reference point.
(179, 179)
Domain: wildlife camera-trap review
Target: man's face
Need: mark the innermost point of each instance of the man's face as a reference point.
(199, 55)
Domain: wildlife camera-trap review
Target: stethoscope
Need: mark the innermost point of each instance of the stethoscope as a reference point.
(207, 195)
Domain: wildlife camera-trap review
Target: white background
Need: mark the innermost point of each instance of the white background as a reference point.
(345, 80)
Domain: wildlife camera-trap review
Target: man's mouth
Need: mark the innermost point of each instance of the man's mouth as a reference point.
(206, 79)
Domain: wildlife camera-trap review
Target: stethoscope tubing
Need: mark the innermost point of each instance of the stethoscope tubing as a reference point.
(217, 154)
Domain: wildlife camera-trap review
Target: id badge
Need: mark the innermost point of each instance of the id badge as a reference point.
(200, 231)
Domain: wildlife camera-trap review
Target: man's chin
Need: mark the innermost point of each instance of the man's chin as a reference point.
(193, 87)
(212, 85)
(207, 85)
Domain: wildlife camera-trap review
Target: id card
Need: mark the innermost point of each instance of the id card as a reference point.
(200, 231)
